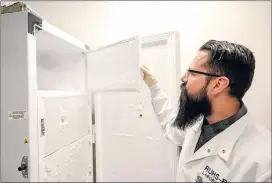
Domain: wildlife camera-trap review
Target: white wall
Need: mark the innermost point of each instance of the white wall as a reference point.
(247, 23)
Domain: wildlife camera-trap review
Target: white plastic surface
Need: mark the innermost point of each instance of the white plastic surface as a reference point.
(66, 119)
(114, 67)
(130, 148)
(56, 94)
(61, 62)
(130, 144)
(61, 72)
(70, 164)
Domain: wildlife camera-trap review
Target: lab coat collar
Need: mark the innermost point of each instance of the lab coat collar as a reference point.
(222, 144)
(198, 125)
(230, 136)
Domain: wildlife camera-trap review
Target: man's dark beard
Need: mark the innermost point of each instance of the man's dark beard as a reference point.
(191, 107)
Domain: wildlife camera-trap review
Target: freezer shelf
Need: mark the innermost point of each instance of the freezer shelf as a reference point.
(70, 164)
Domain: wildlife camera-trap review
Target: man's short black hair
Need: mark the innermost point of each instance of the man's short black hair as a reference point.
(234, 61)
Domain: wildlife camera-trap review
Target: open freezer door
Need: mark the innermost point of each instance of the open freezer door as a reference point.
(115, 67)
(130, 146)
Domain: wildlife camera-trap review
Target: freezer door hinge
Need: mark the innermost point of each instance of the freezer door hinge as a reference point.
(93, 138)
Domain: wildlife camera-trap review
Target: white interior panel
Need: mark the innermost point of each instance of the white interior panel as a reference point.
(127, 128)
(135, 142)
(61, 60)
(115, 67)
(66, 119)
(61, 72)
(155, 58)
(70, 164)
(160, 53)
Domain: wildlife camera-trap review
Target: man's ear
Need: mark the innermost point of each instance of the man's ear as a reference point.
(219, 85)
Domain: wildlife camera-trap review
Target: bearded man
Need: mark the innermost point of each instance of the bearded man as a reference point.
(220, 140)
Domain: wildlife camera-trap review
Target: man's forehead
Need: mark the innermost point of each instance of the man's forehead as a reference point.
(200, 60)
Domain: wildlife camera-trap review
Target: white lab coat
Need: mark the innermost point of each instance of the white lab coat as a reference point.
(241, 153)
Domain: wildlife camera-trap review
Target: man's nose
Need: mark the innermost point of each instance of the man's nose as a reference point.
(184, 78)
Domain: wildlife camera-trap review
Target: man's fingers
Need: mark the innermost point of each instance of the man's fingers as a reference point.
(147, 76)
(145, 70)
(145, 67)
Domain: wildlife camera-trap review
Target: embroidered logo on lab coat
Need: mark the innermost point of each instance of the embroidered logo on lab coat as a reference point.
(212, 175)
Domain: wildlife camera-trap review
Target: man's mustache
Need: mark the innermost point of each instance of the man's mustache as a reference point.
(182, 86)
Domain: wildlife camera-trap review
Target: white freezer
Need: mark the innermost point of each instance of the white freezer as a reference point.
(51, 121)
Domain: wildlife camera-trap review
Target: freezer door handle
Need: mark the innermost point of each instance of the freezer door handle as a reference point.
(23, 167)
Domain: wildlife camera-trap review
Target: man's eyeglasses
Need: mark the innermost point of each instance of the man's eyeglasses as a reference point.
(204, 73)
